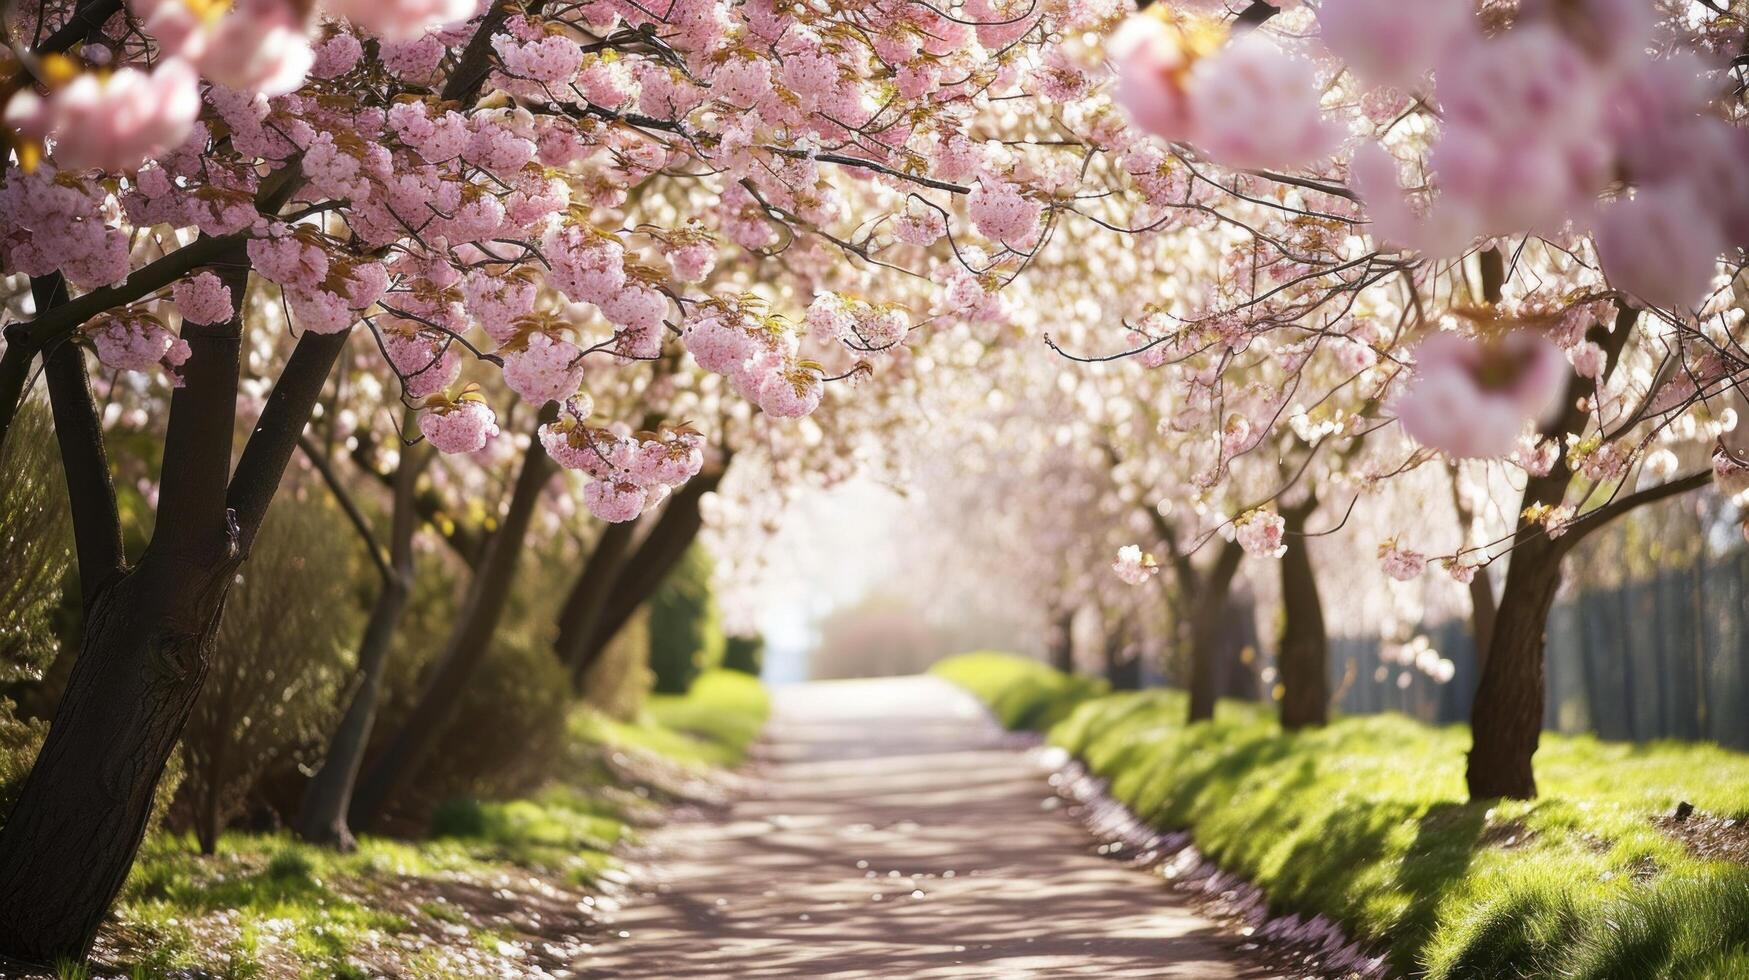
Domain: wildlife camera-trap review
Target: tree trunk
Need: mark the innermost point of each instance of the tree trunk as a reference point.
(1123, 668)
(469, 642)
(1481, 587)
(642, 573)
(1305, 646)
(587, 600)
(322, 818)
(71, 838)
(1062, 649)
(1209, 611)
(1507, 718)
(15, 364)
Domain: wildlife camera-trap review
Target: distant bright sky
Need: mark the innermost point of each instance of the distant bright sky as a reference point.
(834, 547)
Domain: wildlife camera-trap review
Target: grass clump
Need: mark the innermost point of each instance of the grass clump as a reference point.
(1021, 693)
(713, 724)
(1366, 822)
(264, 906)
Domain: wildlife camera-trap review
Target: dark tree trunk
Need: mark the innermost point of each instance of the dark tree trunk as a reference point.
(587, 600)
(1305, 646)
(67, 846)
(1208, 613)
(643, 572)
(1062, 649)
(1507, 717)
(1123, 666)
(322, 818)
(71, 838)
(82, 812)
(1482, 613)
(469, 642)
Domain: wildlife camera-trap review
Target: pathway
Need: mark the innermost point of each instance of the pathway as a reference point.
(896, 832)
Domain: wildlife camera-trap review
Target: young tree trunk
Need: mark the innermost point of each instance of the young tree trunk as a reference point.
(1208, 611)
(1506, 719)
(322, 818)
(641, 573)
(469, 642)
(1122, 669)
(587, 601)
(1062, 649)
(1481, 587)
(1305, 646)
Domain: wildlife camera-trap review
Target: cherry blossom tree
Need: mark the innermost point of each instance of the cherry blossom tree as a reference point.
(1569, 145)
(466, 185)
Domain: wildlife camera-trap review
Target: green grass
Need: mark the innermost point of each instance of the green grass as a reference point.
(268, 906)
(1366, 822)
(724, 711)
(1021, 693)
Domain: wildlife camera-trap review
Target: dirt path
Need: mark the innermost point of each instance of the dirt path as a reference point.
(894, 833)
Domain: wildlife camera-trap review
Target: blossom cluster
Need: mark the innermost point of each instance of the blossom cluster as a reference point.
(630, 472)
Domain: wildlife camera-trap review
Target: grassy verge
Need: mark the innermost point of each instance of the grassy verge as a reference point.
(499, 889)
(1021, 693)
(1365, 822)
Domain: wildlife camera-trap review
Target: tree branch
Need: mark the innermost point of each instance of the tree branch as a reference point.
(15, 366)
(276, 434)
(320, 461)
(78, 430)
(1585, 523)
(468, 542)
(52, 325)
(90, 16)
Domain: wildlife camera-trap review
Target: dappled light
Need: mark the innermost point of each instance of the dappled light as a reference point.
(900, 833)
(874, 489)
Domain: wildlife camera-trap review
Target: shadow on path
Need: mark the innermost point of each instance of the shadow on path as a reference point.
(894, 832)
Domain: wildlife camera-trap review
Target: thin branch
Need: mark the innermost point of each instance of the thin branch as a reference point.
(1586, 523)
(319, 460)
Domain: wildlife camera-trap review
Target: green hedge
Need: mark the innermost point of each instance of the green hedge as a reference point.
(1366, 822)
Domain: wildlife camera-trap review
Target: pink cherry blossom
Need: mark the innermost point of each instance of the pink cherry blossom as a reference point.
(1151, 65)
(426, 363)
(1393, 42)
(401, 20)
(1472, 400)
(463, 427)
(545, 369)
(692, 261)
(1255, 106)
(1001, 213)
(1133, 566)
(615, 501)
(113, 122)
(791, 392)
(717, 343)
(1260, 533)
(636, 308)
(1401, 563)
(203, 299)
(137, 343)
(1662, 245)
(260, 46)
